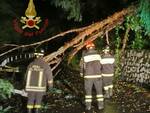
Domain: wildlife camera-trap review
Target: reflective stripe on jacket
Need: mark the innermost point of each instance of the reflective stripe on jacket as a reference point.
(91, 64)
(107, 62)
(37, 76)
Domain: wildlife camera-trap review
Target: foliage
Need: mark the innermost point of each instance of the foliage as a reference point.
(5, 110)
(131, 98)
(55, 90)
(138, 43)
(135, 24)
(144, 11)
(117, 51)
(70, 6)
(45, 107)
(75, 62)
(5, 89)
(100, 43)
(7, 33)
(135, 38)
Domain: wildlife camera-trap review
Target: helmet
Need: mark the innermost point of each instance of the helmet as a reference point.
(90, 44)
(39, 52)
(106, 49)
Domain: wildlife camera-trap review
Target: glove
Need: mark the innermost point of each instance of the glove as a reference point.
(81, 74)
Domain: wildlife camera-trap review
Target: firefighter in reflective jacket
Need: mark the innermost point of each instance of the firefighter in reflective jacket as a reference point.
(91, 68)
(107, 71)
(38, 76)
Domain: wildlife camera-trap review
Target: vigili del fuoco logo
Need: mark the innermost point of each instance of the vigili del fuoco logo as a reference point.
(30, 25)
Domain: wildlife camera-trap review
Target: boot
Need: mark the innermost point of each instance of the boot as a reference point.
(37, 110)
(100, 105)
(29, 110)
(88, 106)
(107, 94)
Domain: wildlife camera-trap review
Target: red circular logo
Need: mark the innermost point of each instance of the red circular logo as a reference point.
(31, 23)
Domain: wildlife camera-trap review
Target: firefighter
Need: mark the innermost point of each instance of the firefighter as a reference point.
(91, 69)
(38, 76)
(107, 71)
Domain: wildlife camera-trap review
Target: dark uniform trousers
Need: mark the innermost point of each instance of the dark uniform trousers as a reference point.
(34, 99)
(108, 85)
(89, 82)
(107, 81)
